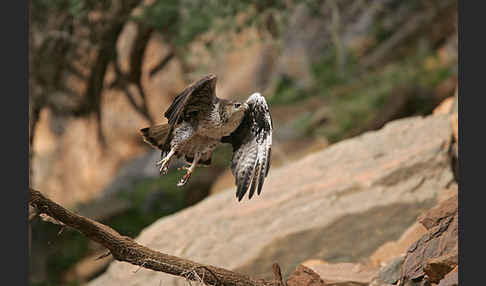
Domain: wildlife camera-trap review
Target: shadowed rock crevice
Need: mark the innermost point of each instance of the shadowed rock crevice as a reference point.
(402, 174)
(350, 238)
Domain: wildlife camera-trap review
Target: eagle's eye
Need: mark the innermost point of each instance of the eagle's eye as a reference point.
(237, 105)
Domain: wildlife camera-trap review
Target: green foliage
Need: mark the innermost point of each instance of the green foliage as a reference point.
(75, 7)
(182, 21)
(354, 98)
(151, 199)
(326, 73)
(365, 100)
(41, 9)
(287, 92)
(78, 245)
(64, 249)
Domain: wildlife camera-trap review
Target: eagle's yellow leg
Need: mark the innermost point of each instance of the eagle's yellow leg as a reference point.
(164, 162)
(189, 169)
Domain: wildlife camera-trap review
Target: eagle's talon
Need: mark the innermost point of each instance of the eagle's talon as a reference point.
(164, 164)
(163, 170)
(184, 180)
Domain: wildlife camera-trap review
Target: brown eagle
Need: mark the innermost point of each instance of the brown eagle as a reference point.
(199, 122)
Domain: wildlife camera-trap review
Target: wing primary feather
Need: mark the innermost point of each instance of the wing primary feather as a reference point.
(249, 169)
(262, 171)
(252, 142)
(247, 181)
(255, 179)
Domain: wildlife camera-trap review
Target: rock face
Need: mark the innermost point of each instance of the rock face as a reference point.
(391, 249)
(435, 254)
(338, 205)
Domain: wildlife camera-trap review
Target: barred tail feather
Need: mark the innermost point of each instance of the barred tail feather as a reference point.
(156, 135)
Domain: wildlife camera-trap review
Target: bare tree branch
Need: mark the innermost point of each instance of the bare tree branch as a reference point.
(413, 25)
(134, 76)
(278, 275)
(124, 248)
(162, 63)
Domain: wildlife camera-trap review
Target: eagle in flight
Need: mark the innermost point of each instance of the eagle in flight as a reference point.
(198, 122)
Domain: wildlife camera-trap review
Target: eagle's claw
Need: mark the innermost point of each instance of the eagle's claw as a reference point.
(184, 180)
(164, 166)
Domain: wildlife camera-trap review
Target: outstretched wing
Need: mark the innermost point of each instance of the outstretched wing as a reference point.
(198, 96)
(252, 142)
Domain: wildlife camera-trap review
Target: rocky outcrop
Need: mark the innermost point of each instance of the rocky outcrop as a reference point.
(339, 205)
(431, 258)
(435, 254)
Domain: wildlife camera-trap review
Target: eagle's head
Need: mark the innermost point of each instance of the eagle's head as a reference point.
(233, 112)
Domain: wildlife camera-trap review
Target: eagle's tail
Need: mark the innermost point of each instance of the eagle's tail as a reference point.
(156, 135)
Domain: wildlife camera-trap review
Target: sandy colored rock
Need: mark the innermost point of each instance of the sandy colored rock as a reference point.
(443, 211)
(455, 126)
(447, 193)
(437, 268)
(342, 272)
(392, 249)
(445, 106)
(435, 254)
(282, 153)
(73, 170)
(390, 273)
(339, 205)
(87, 267)
(451, 279)
(224, 182)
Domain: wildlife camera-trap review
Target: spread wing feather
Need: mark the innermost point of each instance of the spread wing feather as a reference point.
(252, 142)
(199, 95)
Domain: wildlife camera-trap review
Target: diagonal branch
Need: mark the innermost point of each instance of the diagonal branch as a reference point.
(134, 76)
(162, 63)
(124, 248)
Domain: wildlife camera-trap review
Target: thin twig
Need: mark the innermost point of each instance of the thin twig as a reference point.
(162, 64)
(278, 274)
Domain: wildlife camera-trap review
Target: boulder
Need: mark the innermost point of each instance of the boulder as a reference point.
(391, 249)
(435, 254)
(436, 215)
(451, 279)
(390, 273)
(445, 106)
(338, 205)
